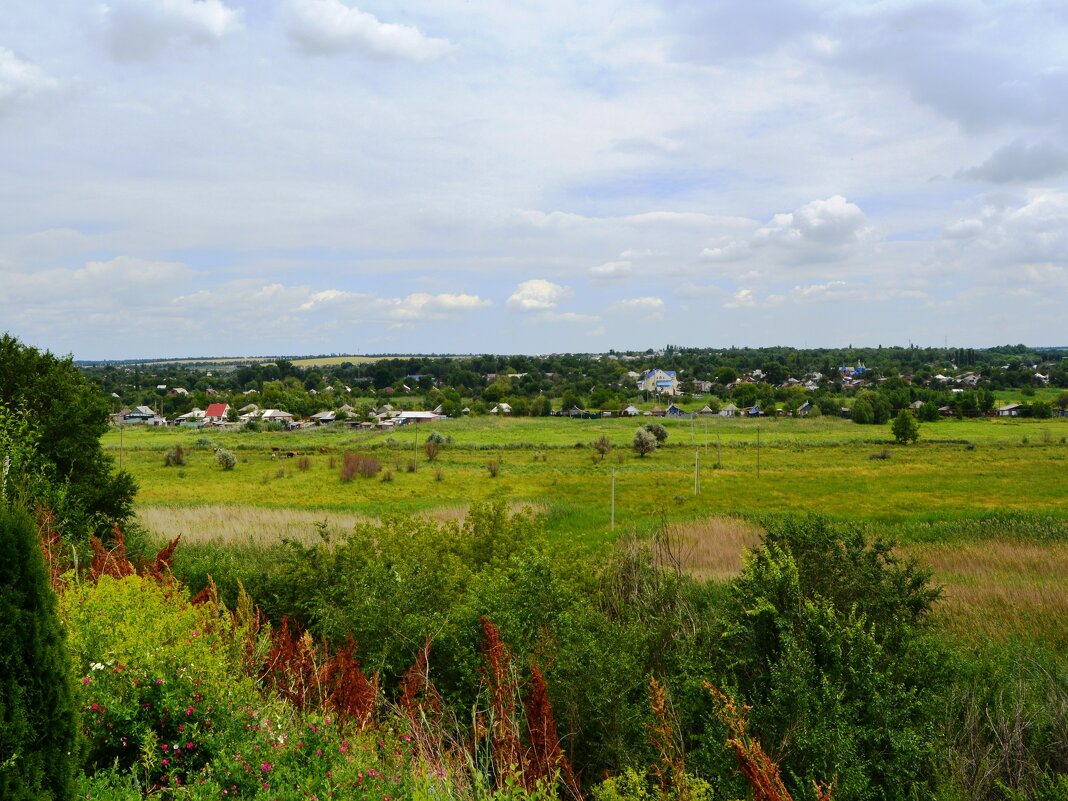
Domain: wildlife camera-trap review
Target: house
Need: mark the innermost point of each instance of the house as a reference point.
(417, 417)
(656, 411)
(730, 410)
(502, 409)
(631, 411)
(804, 409)
(323, 418)
(139, 414)
(276, 416)
(702, 386)
(752, 411)
(675, 411)
(216, 412)
(193, 419)
(1011, 410)
(177, 391)
(916, 405)
(705, 411)
(659, 382)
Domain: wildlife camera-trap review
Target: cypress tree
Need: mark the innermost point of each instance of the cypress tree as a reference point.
(38, 726)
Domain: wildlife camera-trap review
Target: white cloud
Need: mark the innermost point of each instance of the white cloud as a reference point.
(733, 250)
(21, 81)
(832, 222)
(612, 270)
(141, 30)
(648, 307)
(322, 27)
(537, 295)
(742, 299)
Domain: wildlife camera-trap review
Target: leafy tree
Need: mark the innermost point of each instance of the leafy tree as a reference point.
(39, 727)
(825, 637)
(863, 412)
(70, 415)
(905, 427)
(928, 413)
(1041, 409)
(644, 442)
(658, 431)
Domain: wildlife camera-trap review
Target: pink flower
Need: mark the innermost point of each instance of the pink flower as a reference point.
(159, 681)
(189, 711)
(265, 767)
(85, 680)
(166, 762)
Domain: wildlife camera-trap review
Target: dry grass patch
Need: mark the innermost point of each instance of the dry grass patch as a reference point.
(998, 588)
(707, 549)
(245, 525)
(260, 526)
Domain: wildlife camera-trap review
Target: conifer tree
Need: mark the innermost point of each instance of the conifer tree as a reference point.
(37, 720)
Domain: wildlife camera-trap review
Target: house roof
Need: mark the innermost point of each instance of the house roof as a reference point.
(217, 410)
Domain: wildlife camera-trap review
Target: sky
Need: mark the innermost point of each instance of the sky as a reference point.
(287, 177)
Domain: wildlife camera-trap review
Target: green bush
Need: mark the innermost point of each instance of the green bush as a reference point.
(159, 681)
(225, 459)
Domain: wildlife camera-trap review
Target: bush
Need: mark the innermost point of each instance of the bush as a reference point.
(905, 428)
(175, 457)
(658, 431)
(602, 446)
(644, 442)
(203, 444)
(304, 463)
(436, 438)
(39, 727)
(225, 459)
(494, 467)
(358, 464)
(432, 450)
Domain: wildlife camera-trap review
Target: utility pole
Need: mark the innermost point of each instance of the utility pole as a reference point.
(758, 451)
(696, 471)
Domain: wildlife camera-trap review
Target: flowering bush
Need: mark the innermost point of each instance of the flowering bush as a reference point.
(157, 677)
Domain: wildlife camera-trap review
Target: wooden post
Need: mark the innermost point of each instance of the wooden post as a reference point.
(758, 451)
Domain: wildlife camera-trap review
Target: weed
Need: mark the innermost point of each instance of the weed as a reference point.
(203, 444)
(304, 463)
(387, 476)
(881, 455)
(175, 457)
(412, 466)
(439, 474)
(432, 449)
(494, 467)
(358, 464)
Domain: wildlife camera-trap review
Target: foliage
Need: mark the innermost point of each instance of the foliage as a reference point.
(359, 464)
(824, 638)
(658, 431)
(225, 459)
(905, 427)
(37, 737)
(644, 442)
(153, 672)
(175, 457)
(69, 415)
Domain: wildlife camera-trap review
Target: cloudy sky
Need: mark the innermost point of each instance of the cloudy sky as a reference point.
(188, 177)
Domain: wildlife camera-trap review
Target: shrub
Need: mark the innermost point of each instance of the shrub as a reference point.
(202, 443)
(39, 724)
(175, 457)
(905, 428)
(387, 476)
(411, 466)
(226, 459)
(432, 450)
(602, 446)
(358, 464)
(883, 454)
(658, 431)
(439, 474)
(304, 463)
(436, 438)
(494, 467)
(644, 442)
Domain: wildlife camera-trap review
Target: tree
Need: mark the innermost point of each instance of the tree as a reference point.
(905, 427)
(862, 412)
(70, 415)
(39, 727)
(824, 636)
(657, 431)
(644, 442)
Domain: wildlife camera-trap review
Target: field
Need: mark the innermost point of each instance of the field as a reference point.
(983, 501)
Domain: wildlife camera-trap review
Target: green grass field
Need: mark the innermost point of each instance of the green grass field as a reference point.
(985, 502)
